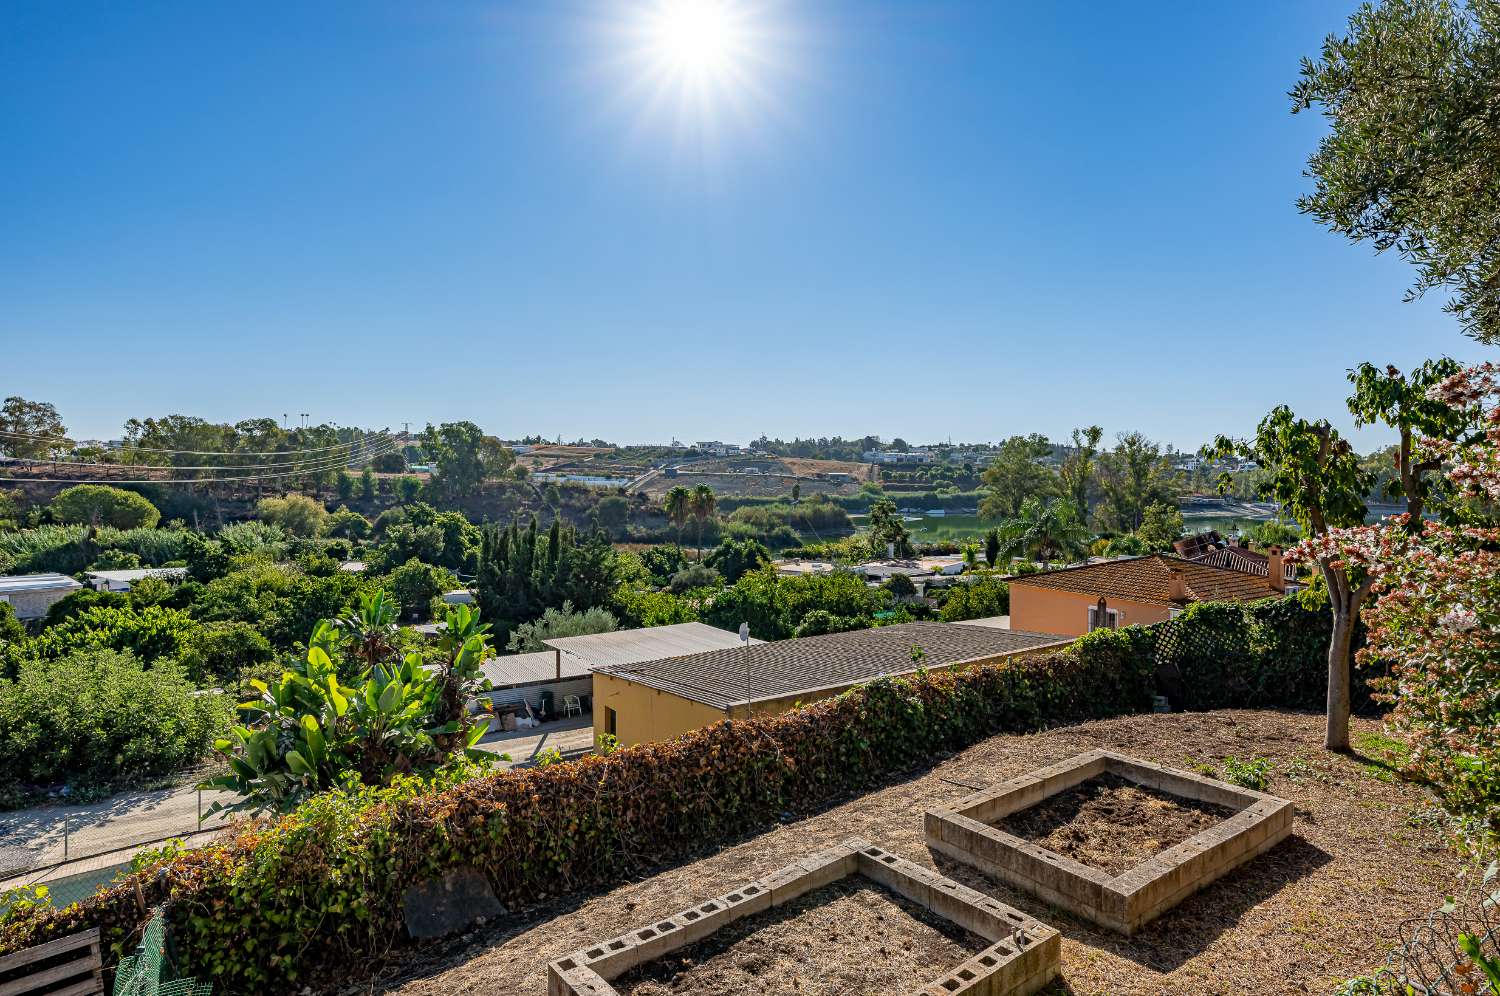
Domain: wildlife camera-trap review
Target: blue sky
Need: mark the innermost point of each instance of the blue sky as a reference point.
(924, 219)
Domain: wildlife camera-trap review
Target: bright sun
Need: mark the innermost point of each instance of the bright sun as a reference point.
(697, 40)
(707, 70)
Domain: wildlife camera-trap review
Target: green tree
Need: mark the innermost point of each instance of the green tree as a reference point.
(678, 506)
(702, 503)
(991, 546)
(1017, 473)
(367, 484)
(1316, 476)
(888, 532)
(1134, 475)
(694, 577)
(297, 515)
(1161, 526)
(416, 585)
(345, 523)
(30, 430)
(1046, 529)
(1411, 160)
(1077, 471)
(408, 488)
(101, 505)
(463, 457)
(735, 558)
(345, 485)
(1401, 402)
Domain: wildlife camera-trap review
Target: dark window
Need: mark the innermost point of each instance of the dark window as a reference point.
(609, 721)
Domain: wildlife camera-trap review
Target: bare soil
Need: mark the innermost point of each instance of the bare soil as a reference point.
(1366, 852)
(1113, 824)
(846, 938)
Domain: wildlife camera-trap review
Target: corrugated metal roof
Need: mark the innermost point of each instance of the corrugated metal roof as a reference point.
(633, 646)
(139, 573)
(523, 669)
(791, 667)
(17, 583)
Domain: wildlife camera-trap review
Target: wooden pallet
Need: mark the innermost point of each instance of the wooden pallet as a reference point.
(72, 966)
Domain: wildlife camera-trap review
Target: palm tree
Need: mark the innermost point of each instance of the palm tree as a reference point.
(702, 505)
(1045, 530)
(678, 504)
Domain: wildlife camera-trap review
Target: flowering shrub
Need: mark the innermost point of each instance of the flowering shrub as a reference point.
(1435, 620)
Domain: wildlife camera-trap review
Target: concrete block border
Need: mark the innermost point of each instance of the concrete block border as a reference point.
(1023, 956)
(1126, 902)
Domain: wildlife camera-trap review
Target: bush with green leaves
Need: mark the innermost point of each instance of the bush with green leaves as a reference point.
(295, 515)
(775, 606)
(978, 597)
(102, 717)
(636, 607)
(151, 632)
(735, 558)
(555, 623)
(416, 586)
(694, 577)
(102, 505)
(223, 651)
(309, 731)
(345, 523)
(282, 603)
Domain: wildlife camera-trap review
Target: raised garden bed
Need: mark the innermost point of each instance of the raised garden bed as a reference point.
(1110, 838)
(1021, 957)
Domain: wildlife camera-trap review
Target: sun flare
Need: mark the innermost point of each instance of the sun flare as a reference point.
(697, 39)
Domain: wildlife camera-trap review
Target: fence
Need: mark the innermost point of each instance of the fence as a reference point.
(73, 848)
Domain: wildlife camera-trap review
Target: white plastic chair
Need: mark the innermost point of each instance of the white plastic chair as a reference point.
(571, 706)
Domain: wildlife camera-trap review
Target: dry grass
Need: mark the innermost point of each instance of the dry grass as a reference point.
(1320, 907)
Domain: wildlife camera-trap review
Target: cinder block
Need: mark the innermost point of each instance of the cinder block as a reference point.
(611, 958)
(787, 884)
(747, 900)
(575, 980)
(656, 939)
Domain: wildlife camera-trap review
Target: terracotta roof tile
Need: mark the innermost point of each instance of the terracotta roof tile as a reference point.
(1149, 579)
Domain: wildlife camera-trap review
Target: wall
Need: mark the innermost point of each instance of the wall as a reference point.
(1048, 610)
(645, 714)
(34, 604)
(533, 693)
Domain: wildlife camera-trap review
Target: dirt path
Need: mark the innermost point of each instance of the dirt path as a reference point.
(1324, 905)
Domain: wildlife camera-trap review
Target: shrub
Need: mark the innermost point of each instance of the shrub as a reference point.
(297, 515)
(694, 577)
(150, 632)
(554, 623)
(102, 716)
(223, 651)
(348, 524)
(102, 505)
(319, 893)
(980, 598)
(415, 585)
(634, 607)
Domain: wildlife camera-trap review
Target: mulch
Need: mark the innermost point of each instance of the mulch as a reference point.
(1113, 824)
(849, 937)
(1366, 853)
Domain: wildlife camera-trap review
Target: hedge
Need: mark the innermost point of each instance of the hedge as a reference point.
(317, 895)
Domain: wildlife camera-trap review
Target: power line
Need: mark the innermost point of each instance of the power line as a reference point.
(326, 465)
(355, 446)
(147, 449)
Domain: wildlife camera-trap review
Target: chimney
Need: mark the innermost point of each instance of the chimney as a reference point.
(1275, 569)
(1176, 587)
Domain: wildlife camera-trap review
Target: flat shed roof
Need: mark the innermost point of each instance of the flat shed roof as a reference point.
(13, 584)
(633, 646)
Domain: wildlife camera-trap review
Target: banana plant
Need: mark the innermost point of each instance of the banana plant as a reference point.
(308, 732)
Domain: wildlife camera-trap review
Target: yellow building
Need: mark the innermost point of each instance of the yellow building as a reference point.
(1132, 591)
(661, 699)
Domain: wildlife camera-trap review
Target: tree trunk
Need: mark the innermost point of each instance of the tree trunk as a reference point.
(1337, 735)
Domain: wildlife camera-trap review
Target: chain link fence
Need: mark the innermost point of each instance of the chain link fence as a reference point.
(70, 847)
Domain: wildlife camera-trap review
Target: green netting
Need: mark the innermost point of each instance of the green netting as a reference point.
(149, 970)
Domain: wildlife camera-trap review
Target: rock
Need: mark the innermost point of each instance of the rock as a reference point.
(448, 904)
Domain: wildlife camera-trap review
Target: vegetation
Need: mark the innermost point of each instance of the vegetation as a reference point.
(309, 731)
(100, 505)
(1412, 158)
(97, 718)
(560, 622)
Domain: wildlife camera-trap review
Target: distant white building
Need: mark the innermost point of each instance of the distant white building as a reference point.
(717, 448)
(122, 580)
(31, 595)
(897, 456)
